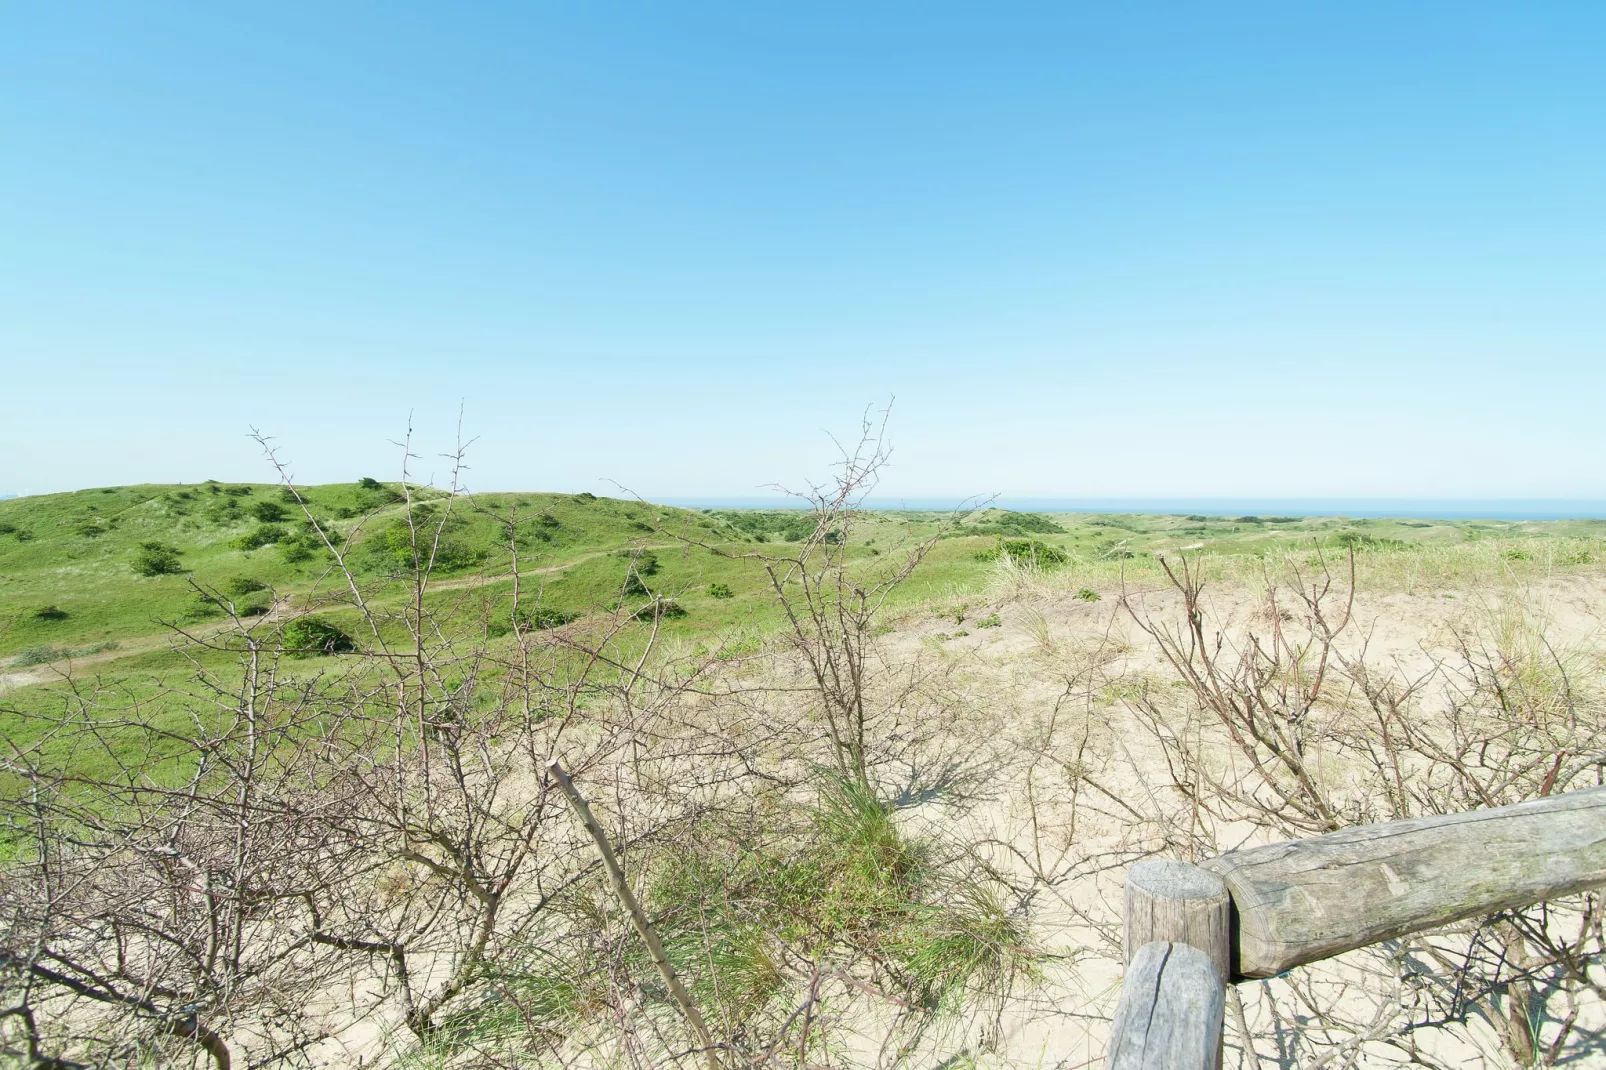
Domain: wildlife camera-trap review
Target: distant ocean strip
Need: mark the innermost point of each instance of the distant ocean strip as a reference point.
(1359, 508)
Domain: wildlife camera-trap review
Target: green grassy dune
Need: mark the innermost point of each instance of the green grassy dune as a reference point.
(108, 572)
(101, 582)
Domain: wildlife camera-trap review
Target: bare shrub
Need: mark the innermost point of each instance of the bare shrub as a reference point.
(1292, 728)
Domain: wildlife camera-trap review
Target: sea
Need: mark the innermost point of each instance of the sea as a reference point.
(1359, 508)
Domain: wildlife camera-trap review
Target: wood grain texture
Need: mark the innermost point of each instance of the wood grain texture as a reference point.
(1311, 899)
(1181, 904)
(1169, 1017)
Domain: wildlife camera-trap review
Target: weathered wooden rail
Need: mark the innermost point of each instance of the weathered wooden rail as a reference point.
(1192, 929)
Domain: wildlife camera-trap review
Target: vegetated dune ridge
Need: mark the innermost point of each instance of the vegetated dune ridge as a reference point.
(1026, 739)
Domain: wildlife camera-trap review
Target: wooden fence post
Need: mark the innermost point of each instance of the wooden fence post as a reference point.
(1170, 1012)
(1170, 902)
(1179, 904)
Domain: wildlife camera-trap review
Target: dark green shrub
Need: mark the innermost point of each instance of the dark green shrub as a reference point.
(720, 590)
(642, 562)
(7, 528)
(268, 512)
(1029, 552)
(370, 483)
(294, 551)
(263, 535)
(307, 637)
(157, 559)
(1357, 540)
(661, 609)
(784, 525)
(224, 511)
(49, 613)
(305, 543)
(1088, 594)
(205, 607)
(238, 492)
(1008, 523)
(545, 617)
(288, 495)
(392, 546)
(992, 621)
(243, 585)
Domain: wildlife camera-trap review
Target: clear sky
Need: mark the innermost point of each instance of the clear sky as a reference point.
(1100, 250)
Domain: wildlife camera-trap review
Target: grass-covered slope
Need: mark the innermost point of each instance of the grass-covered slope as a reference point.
(105, 573)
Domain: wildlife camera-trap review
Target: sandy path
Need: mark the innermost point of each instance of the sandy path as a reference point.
(58, 670)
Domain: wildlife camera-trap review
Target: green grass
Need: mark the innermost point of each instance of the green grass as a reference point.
(69, 585)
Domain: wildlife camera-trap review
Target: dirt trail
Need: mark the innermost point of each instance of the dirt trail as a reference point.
(57, 670)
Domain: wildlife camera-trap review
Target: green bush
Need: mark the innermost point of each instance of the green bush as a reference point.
(263, 535)
(392, 546)
(369, 483)
(300, 548)
(642, 562)
(545, 617)
(1357, 540)
(49, 613)
(1088, 594)
(7, 528)
(40, 655)
(243, 585)
(307, 637)
(1008, 523)
(157, 559)
(1029, 552)
(225, 510)
(661, 609)
(720, 590)
(785, 525)
(992, 621)
(268, 512)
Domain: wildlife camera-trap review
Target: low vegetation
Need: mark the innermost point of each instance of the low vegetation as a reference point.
(274, 790)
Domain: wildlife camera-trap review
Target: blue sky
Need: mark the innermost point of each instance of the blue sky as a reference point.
(1104, 250)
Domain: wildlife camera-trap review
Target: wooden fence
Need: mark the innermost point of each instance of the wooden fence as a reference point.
(1192, 929)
